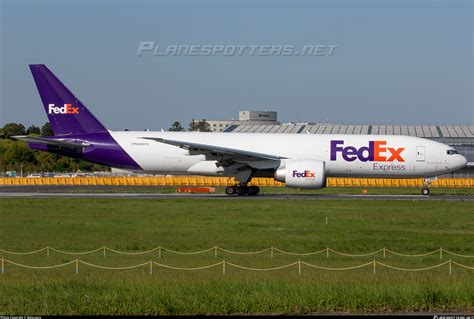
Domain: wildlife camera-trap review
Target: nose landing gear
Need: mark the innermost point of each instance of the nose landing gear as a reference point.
(426, 184)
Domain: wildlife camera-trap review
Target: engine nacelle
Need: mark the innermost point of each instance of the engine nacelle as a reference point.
(310, 174)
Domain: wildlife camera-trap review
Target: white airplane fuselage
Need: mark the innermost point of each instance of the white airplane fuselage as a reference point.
(344, 155)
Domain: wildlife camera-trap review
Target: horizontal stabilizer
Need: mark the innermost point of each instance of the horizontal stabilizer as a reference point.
(67, 143)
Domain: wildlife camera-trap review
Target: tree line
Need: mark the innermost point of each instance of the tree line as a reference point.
(201, 126)
(17, 156)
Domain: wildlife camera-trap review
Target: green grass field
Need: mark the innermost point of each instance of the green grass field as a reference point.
(241, 225)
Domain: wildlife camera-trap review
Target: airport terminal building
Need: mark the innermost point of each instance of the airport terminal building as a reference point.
(245, 118)
(460, 137)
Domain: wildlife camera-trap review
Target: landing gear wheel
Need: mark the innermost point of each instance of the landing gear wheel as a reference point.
(241, 190)
(230, 190)
(426, 183)
(253, 190)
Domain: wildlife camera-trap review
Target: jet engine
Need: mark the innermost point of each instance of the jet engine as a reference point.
(309, 174)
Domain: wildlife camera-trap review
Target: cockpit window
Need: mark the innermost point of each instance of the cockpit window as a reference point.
(452, 152)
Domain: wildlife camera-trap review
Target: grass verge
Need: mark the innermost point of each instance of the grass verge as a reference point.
(195, 224)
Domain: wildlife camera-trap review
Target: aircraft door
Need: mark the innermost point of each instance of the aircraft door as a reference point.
(420, 153)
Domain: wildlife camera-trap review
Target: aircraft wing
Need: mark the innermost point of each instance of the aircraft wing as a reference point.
(218, 151)
(74, 144)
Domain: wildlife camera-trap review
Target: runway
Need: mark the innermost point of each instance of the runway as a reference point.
(225, 197)
(114, 192)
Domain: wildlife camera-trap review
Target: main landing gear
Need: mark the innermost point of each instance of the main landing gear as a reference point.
(242, 190)
(243, 177)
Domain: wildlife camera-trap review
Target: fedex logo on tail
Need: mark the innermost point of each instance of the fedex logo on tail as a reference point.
(376, 151)
(66, 109)
(305, 174)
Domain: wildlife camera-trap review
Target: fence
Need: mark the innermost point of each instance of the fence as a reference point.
(160, 249)
(225, 181)
(225, 264)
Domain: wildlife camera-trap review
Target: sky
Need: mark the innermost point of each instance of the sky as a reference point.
(394, 62)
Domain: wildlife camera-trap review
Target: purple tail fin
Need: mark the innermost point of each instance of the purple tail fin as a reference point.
(67, 115)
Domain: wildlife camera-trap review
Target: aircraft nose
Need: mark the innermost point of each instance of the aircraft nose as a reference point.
(463, 161)
(456, 162)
